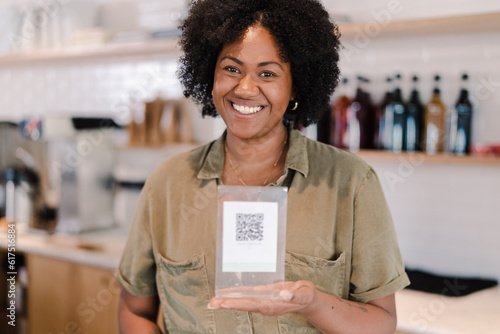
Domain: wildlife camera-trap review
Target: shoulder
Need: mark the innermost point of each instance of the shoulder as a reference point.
(324, 158)
(180, 166)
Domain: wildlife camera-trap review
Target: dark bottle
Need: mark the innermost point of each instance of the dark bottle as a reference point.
(463, 109)
(368, 125)
(435, 113)
(386, 136)
(380, 115)
(324, 126)
(399, 117)
(339, 111)
(415, 120)
(360, 119)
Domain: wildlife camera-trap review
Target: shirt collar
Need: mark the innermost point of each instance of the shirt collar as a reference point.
(297, 158)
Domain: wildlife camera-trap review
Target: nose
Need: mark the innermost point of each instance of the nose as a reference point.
(247, 87)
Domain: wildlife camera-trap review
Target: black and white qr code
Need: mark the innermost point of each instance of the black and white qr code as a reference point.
(249, 226)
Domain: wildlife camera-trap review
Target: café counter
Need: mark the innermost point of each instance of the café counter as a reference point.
(64, 282)
(70, 287)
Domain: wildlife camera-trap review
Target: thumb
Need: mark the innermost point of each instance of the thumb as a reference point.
(301, 292)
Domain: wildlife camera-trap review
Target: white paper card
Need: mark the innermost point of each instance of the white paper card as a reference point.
(250, 236)
(251, 241)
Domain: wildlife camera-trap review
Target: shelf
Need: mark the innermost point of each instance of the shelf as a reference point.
(167, 148)
(374, 155)
(443, 25)
(146, 48)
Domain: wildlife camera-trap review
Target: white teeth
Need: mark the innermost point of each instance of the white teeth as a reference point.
(246, 109)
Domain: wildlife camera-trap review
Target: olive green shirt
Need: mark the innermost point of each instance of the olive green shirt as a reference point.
(340, 236)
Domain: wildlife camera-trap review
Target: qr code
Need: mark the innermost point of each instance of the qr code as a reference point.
(249, 226)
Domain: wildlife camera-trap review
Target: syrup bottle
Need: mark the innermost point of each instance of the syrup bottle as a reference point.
(415, 120)
(435, 113)
(324, 126)
(399, 118)
(463, 109)
(339, 110)
(368, 123)
(380, 115)
(359, 119)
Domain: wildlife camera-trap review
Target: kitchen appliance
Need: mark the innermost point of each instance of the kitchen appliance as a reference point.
(22, 198)
(8, 136)
(80, 163)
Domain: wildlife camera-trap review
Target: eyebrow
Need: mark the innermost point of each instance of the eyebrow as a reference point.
(263, 64)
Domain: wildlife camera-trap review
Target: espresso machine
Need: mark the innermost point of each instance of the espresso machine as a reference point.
(56, 173)
(9, 138)
(80, 162)
(22, 197)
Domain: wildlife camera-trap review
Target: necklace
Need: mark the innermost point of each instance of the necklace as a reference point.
(272, 169)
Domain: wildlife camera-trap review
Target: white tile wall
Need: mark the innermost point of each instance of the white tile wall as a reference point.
(85, 87)
(447, 216)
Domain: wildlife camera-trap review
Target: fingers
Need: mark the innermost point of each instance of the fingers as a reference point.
(294, 297)
(263, 306)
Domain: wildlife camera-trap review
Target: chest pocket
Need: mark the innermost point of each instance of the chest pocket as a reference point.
(184, 295)
(328, 276)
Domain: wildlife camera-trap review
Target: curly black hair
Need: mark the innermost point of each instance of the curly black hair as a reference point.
(302, 30)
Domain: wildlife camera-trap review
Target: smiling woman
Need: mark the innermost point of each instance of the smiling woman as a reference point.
(252, 90)
(266, 67)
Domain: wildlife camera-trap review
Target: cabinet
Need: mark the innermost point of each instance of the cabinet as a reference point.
(12, 290)
(70, 298)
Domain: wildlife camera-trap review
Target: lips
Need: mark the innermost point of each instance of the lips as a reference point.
(246, 109)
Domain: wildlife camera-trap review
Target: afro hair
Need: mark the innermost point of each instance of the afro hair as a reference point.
(302, 30)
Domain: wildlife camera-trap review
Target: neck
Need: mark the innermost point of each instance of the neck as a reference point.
(257, 161)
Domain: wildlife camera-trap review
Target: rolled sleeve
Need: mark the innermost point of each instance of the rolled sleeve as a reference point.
(377, 265)
(137, 268)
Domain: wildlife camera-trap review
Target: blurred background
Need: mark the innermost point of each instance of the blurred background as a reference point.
(90, 103)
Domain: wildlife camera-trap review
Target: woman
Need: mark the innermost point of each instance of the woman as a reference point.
(266, 67)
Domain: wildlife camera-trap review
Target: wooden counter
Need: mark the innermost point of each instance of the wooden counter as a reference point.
(70, 283)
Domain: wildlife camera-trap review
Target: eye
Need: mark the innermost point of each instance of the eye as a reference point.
(267, 74)
(231, 69)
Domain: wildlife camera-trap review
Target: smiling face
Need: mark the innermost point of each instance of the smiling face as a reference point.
(252, 85)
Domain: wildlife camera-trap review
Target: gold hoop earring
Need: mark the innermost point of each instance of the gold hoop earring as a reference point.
(295, 106)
